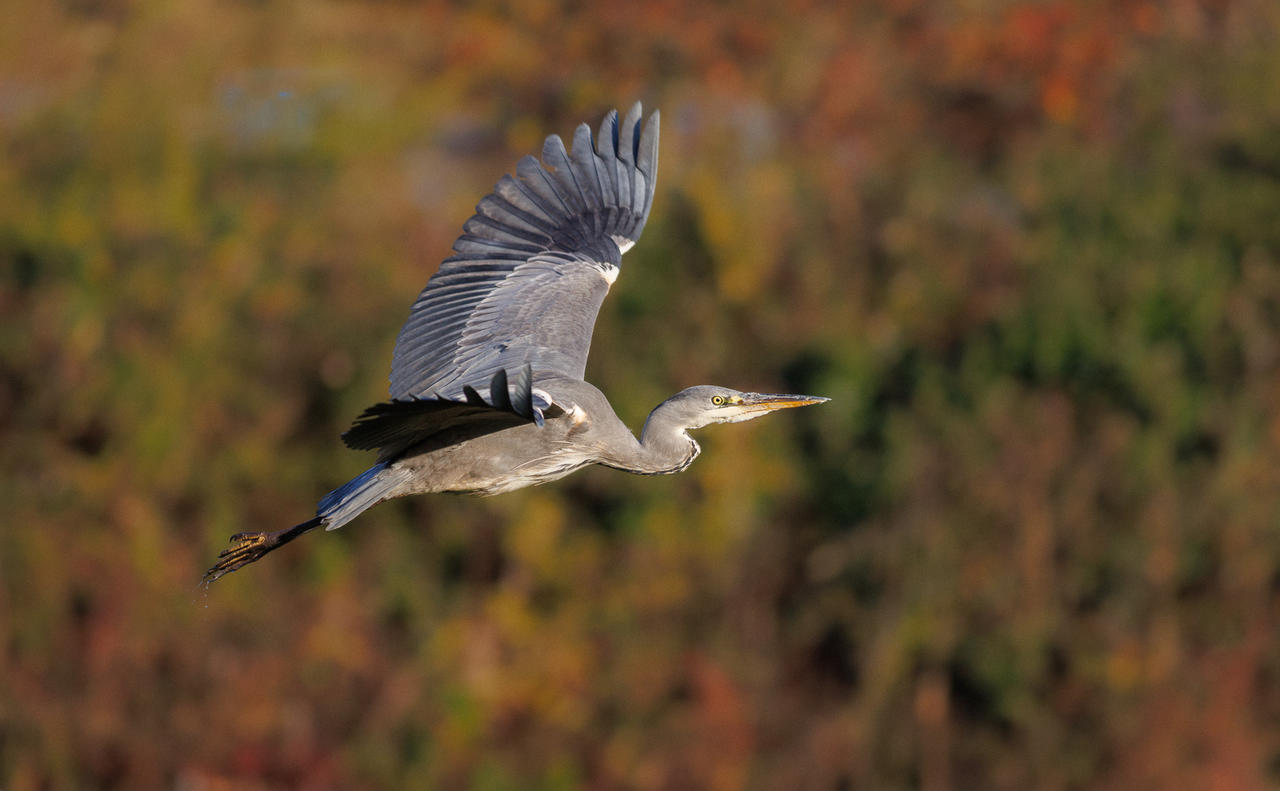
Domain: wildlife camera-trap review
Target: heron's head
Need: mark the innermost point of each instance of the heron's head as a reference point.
(695, 407)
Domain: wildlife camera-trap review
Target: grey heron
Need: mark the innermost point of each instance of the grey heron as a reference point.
(487, 390)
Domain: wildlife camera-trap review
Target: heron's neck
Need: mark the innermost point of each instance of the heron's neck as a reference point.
(665, 444)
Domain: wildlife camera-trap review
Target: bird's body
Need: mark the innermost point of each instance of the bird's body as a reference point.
(587, 432)
(487, 389)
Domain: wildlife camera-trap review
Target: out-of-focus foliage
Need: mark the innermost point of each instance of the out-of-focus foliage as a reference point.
(1031, 251)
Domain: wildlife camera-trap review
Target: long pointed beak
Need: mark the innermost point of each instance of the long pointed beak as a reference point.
(767, 402)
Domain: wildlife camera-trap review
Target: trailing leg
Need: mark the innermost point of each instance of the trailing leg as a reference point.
(248, 547)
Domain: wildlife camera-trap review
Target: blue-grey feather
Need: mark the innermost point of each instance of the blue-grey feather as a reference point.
(516, 194)
(356, 496)
(531, 176)
(607, 140)
(470, 245)
(647, 163)
(556, 165)
(497, 207)
(481, 225)
(584, 167)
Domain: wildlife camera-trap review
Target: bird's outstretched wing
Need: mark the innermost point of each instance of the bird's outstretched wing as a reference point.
(533, 264)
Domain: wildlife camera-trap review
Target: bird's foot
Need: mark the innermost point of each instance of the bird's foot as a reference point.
(245, 548)
(248, 547)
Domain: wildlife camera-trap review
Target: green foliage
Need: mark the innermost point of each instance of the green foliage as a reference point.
(1030, 250)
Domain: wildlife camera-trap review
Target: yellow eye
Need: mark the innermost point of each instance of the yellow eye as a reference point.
(718, 400)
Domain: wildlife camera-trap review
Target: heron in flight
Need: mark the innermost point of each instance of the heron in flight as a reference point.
(487, 390)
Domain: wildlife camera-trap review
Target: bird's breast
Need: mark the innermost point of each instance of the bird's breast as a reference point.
(502, 461)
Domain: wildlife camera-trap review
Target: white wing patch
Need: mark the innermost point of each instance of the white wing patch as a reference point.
(609, 272)
(624, 244)
(541, 398)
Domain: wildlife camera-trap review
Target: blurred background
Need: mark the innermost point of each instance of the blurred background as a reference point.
(1030, 250)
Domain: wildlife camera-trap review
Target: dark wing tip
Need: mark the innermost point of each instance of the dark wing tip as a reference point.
(522, 395)
(498, 395)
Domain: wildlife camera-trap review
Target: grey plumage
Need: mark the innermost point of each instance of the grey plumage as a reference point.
(487, 390)
(524, 284)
